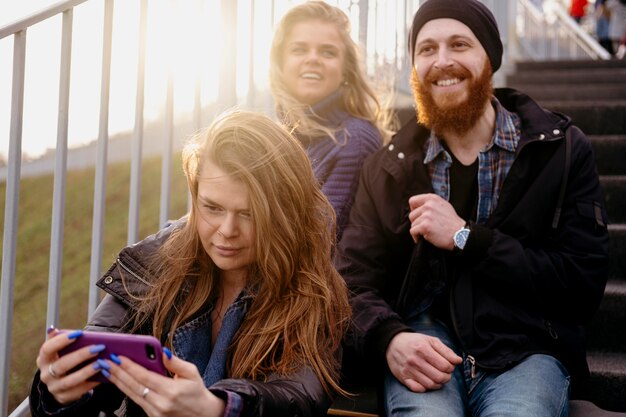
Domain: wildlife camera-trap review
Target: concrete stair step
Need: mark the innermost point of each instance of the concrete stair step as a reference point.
(610, 153)
(606, 331)
(594, 117)
(607, 384)
(617, 253)
(572, 77)
(568, 65)
(614, 187)
(591, 91)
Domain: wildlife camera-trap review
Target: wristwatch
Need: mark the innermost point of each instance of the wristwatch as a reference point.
(460, 238)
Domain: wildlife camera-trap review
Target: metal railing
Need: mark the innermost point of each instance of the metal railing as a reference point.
(374, 17)
(19, 32)
(549, 33)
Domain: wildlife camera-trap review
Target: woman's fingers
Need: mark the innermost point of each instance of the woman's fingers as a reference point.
(183, 395)
(66, 392)
(139, 384)
(48, 357)
(180, 368)
(72, 362)
(57, 341)
(64, 376)
(71, 387)
(53, 366)
(123, 378)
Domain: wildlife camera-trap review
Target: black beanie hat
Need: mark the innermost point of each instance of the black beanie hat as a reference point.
(472, 13)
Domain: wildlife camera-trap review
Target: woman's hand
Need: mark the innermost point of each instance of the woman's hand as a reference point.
(54, 370)
(160, 396)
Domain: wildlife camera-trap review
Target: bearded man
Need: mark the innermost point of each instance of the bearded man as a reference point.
(477, 245)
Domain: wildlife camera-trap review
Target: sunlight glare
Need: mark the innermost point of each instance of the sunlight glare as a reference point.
(185, 40)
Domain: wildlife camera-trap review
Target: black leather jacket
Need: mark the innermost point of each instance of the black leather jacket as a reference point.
(297, 395)
(520, 286)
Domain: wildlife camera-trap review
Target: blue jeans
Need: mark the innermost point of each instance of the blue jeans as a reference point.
(538, 386)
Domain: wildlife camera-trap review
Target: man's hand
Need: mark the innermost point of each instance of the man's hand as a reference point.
(421, 362)
(434, 219)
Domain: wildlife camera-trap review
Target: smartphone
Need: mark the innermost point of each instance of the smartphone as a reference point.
(142, 349)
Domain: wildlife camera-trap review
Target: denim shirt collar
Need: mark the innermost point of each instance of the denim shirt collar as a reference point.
(192, 341)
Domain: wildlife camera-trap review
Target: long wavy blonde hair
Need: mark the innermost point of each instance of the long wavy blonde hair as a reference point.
(358, 97)
(299, 309)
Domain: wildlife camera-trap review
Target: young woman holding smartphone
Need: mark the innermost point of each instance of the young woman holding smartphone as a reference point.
(242, 291)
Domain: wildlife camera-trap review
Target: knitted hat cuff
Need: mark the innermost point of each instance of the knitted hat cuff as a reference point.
(472, 13)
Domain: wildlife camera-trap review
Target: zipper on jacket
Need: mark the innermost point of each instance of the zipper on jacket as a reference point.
(128, 269)
(469, 357)
(551, 331)
(472, 362)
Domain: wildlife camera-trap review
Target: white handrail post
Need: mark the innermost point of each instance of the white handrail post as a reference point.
(97, 229)
(227, 93)
(60, 174)
(136, 158)
(166, 158)
(11, 216)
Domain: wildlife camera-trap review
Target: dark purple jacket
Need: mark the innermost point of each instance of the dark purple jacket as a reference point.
(337, 163)
(521, 286)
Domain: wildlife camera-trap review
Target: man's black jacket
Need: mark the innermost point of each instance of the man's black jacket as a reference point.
(527, 280)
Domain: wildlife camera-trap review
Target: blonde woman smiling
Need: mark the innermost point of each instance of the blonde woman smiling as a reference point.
(321, 92)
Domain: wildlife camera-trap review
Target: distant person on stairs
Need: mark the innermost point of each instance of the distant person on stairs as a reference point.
(617, 26)
(602, 15)
(578, 10)
(477, 246)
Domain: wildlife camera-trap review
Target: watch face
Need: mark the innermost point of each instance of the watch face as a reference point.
(460, 238)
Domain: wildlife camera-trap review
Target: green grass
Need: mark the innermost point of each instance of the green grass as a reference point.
(33, 250)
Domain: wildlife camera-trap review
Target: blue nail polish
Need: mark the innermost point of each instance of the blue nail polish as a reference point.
(75, 334)
(50, 329)
(116, 359)
(103, 364)
(97, 348)
(106, 373)
(167, 352)
(96, 366)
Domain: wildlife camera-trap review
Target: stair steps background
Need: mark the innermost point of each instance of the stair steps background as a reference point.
(593, 94)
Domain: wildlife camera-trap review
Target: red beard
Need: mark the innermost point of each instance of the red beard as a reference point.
(450, 114)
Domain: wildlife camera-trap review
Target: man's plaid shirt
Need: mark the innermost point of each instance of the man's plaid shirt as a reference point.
(494, 162)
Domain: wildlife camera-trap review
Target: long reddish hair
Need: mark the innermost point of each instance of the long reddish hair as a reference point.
(299, 309)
